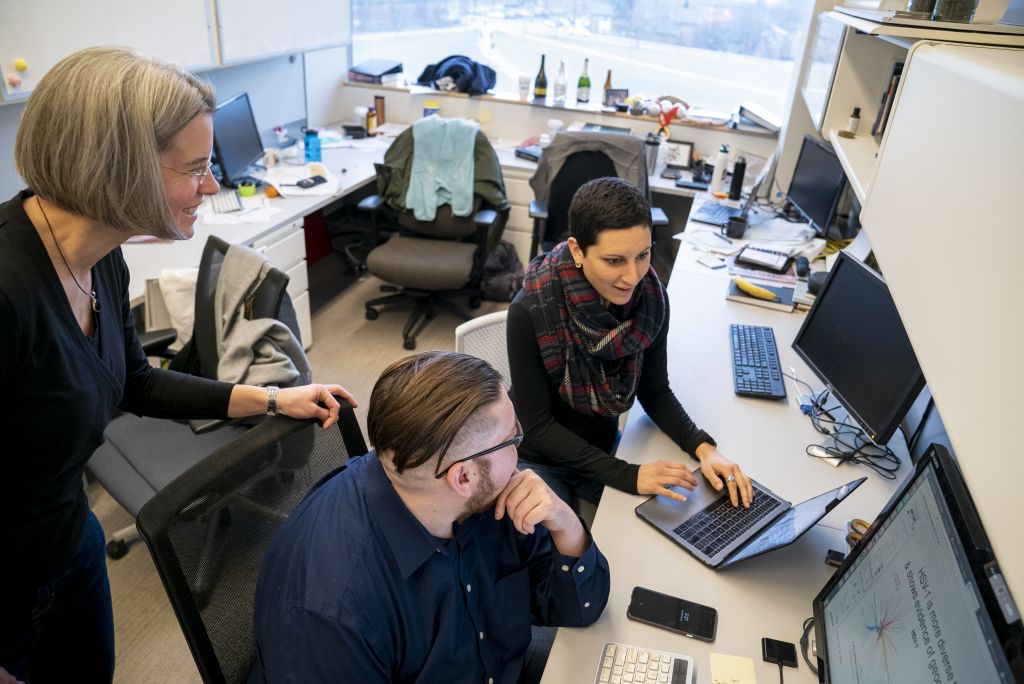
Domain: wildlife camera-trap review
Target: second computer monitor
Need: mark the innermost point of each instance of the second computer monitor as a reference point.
(236, 140)
(818, 183)
(854, 341)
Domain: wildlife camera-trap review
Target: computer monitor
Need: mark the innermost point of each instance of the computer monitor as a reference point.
(921, 597)
(236, 140)
(817, 184)
(854, 341)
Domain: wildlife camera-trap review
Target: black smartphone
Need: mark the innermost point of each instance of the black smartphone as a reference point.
(311, 181)
(674, 614)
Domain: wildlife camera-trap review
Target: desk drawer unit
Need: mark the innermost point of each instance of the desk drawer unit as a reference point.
(519, 229)
(286, 249)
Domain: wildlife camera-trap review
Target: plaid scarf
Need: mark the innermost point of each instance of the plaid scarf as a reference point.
(579, 337)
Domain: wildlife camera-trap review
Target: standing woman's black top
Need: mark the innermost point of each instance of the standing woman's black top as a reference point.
(60, 389)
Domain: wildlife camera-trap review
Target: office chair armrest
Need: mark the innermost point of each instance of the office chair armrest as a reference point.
(371, 203)
(155, 342)
(538, 210)
(485, 218)
(658, 217)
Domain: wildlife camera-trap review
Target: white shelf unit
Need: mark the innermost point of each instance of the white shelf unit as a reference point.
(869, 50)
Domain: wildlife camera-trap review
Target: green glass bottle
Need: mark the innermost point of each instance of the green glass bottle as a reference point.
(540, 84)
(583, 85)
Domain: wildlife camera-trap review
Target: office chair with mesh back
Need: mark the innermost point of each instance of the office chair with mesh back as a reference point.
(141, 455)
(209, 529)
(484, 338)
(428, 264)
(572, 159)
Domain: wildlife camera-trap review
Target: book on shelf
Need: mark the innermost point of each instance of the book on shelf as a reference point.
(379, 71)
(888, 96)
(783, 297)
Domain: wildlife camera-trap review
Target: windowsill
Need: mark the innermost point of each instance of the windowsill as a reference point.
(593, 108)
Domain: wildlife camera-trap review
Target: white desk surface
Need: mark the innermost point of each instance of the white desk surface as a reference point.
(146, 260)
(768, 595)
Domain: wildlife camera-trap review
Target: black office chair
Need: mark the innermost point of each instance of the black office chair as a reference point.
(209, 529)
(581, 157)
(141, 455)
(428, 264)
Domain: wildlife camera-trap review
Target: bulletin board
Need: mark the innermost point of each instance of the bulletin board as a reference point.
(42, 32)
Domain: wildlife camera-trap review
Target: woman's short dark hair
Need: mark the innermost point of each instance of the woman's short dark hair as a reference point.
(606, 203)
(423, 403)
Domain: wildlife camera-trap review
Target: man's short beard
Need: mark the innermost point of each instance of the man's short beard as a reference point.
(483, 498)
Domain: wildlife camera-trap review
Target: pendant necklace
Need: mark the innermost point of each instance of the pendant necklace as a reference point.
(91, 295)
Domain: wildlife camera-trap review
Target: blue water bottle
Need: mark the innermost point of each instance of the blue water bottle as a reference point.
(312, 144)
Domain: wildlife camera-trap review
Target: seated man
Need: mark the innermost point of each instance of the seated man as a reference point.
(426, 560)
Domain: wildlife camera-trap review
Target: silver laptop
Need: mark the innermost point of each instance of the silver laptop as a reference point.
(718, 214)
(710, 528)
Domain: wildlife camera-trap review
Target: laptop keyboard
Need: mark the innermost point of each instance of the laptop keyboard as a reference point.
(625, 663)
(715, 213)
(720, 524)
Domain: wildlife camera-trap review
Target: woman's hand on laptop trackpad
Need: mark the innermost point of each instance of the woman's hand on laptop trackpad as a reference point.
(657, 477)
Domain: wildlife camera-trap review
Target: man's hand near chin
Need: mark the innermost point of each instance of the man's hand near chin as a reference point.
(528, 501)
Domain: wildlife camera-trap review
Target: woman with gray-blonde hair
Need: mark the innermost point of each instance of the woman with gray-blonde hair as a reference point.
(111, 144)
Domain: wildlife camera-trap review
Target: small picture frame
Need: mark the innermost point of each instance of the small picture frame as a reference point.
(680, 154)
(613, 96)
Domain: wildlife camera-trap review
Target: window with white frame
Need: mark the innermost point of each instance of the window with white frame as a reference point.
(712, 54)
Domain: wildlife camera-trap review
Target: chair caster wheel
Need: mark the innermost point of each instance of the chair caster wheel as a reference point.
(116, 549)
(372, 314)
(409, 343)
(474, 302)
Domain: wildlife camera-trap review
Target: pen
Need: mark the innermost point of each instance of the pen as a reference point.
(720, 236)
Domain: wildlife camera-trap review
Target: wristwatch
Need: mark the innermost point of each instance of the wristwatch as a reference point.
(271, 400)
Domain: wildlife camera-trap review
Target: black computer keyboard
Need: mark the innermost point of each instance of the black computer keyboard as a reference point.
(721, 523)
(755, 362)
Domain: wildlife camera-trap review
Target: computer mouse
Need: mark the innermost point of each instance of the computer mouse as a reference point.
(815, 281)
(803, 267)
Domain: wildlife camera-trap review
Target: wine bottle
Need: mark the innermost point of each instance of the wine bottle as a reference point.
(561, 85)
(583, 85)
(607, 85)
(540, 84)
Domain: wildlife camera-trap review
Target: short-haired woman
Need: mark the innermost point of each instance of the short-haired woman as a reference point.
(586, 336)
(111, 144)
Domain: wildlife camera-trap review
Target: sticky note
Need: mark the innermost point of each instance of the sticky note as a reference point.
(727, 669)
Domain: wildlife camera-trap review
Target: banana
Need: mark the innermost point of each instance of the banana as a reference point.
(754, 290)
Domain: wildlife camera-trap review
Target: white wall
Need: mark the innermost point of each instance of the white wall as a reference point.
(799, 122)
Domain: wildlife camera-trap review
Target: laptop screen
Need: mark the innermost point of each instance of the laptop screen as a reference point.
(921, 597)
(793, 523)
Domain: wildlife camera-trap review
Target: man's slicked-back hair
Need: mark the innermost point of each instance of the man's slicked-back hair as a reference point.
(421, 403)
(92, 132)
(606, 203)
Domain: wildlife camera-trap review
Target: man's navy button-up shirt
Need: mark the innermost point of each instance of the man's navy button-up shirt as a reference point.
(355, 589)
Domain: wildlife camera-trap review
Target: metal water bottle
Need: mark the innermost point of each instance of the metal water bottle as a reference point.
(739, 167)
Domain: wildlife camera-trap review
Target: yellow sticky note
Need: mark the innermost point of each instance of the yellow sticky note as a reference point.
(727, 669)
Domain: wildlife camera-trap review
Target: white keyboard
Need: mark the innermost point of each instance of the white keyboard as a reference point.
(225, 201)
(625, 664)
